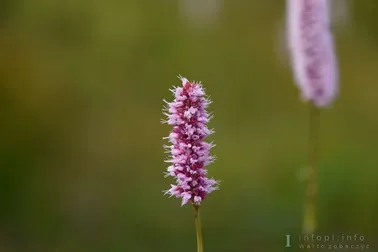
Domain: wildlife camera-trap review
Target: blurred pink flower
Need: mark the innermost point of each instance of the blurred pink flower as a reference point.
(189, 152)
(311, 48)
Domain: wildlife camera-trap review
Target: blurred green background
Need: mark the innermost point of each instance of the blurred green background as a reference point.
(81, 157)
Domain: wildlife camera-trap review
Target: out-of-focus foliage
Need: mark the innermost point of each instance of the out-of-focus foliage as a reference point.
(81, 162)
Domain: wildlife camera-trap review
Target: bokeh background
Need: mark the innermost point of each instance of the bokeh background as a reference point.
(81, 157)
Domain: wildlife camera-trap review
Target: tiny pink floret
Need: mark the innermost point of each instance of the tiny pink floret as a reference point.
(189, 153)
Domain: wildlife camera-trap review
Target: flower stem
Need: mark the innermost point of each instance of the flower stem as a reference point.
(309, 221)
(198, 228)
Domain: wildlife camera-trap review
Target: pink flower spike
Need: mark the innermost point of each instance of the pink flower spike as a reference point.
(189, 153)
(312, 50)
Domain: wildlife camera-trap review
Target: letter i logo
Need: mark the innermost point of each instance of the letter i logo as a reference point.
(288, 241)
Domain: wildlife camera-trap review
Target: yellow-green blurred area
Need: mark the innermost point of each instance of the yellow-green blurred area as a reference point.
(82, 85)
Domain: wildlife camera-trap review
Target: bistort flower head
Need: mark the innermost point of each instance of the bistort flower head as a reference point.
(189, 152)
(312, 50)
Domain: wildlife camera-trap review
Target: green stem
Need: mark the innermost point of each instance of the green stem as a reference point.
(198, 228)
(309, 221)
